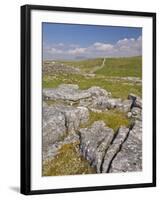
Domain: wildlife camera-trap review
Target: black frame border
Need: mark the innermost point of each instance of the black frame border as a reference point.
(25, 182)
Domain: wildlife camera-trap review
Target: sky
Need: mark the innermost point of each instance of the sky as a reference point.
(73, 41)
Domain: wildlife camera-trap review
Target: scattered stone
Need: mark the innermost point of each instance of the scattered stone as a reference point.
(59, 68)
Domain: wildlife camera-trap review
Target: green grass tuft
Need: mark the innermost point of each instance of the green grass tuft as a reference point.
(67, 162)
(112, 118)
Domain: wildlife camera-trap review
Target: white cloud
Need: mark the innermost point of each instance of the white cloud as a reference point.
(102, 46)
(124, 47)
(60, 44)
(74, 45)
(77, 51)
(54, 50)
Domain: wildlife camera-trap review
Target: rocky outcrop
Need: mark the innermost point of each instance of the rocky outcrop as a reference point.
(67, 92)
(94, 141)
(137, 101)
(106, 150)
(129, 158)
(114, 148)
(112, 152)
(53, 149)
(59, 121)
(93, 98)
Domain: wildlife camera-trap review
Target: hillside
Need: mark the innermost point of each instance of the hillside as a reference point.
(120, 76)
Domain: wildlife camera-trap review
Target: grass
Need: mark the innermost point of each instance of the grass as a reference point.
(122, 67)
(67, 162)
(117, 88)
(114, 67)
(85, 65)
(112, 118)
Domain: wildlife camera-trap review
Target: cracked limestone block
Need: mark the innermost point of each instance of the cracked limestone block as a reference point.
(100, 102)
(74, 117)
(53, 126)
(53, 149)
(113, 103)
(94, 141)
(59, 121)
(97, 91)
(69, 92)
(114, 148)
(129, 159)
(136, 113)
(125, 106)
(137, 101)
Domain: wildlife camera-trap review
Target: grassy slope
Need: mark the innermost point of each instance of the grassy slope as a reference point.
(85, 65)
(122, 67)
(126, 66)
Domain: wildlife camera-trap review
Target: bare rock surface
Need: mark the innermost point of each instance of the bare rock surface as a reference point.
(114, 148)
(137, 101)
(66, 92)
(129, 158)
(53, 149)
(94, 141)
(59, 121)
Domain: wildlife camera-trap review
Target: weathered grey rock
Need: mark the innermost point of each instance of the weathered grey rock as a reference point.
(97, 91)
(53, 149)
(86, 102)
(68, 86)
(66, 92)
(125, 105)
(136, 113)
(44, 104)
(94, 142)
(53, 67)
(137, 101)
(129, 114)
(100, 102)
(114, 148)
(59, 121)
(129, 159)
(113, 103)
(53, 126)
(74, 117)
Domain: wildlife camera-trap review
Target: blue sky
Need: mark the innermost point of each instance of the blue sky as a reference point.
(68, 41)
